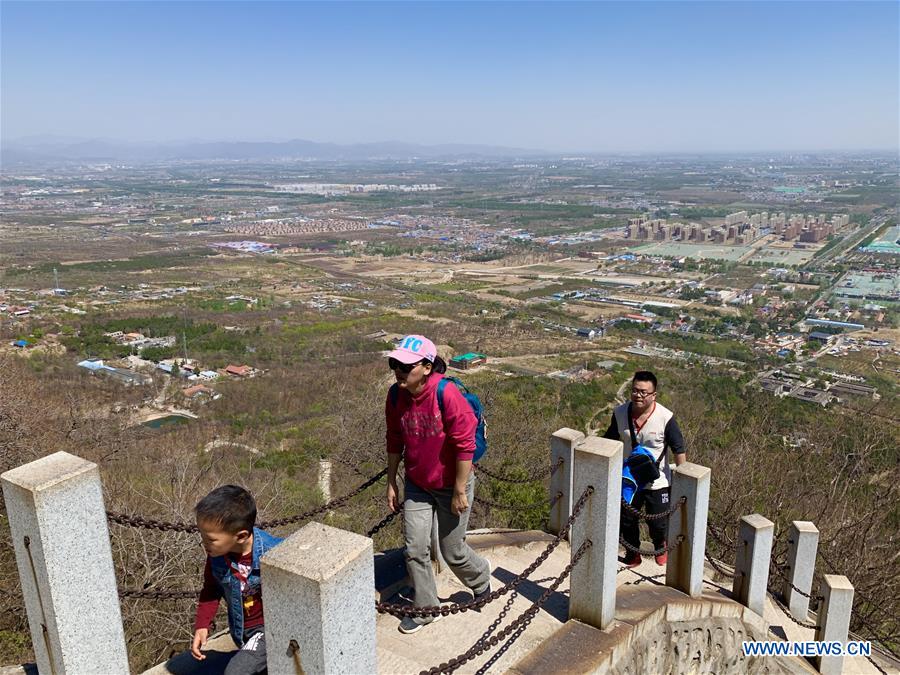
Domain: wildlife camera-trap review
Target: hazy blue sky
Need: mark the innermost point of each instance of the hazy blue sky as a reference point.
(640, 76)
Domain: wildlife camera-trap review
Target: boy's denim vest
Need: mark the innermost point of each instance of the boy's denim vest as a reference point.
(231, 587)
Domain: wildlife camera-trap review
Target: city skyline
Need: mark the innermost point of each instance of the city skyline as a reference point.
(564, 77)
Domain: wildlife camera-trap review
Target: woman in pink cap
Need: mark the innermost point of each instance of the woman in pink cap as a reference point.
(437, 452)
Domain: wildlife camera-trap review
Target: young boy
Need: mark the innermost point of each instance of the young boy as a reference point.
(226, 519)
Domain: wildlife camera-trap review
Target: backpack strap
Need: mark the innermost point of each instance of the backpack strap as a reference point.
(443, 385)
(440, 394)
(634, 442)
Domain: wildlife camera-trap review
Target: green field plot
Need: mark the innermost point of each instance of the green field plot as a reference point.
(782, 256)
(136, 264)
(701, 251)
(550, 269)
(863, 285)
(538, 210)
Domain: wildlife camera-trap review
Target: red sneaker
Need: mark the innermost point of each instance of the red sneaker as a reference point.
(632, 559)
(663, 557)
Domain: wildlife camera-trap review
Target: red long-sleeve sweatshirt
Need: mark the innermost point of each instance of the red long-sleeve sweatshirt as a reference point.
(431, 443)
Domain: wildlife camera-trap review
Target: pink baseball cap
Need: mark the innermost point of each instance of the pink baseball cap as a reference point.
(414, 348)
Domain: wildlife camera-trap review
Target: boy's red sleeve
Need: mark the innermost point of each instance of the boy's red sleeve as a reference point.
(208, 602)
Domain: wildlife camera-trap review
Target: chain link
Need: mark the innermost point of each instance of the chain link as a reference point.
(157, 595)
(350, 465)
(178, 595)
(536, 475)
(384, 522)
(716, 566)
(875, 663)
(333, 504)
(779, 572)
(641, 578)
(665, 548)
(729, 545)
(402, 610)
(628, 508)
(495, 624)
(520, 623)
(148, 524)
(787, 613)
(138, 521)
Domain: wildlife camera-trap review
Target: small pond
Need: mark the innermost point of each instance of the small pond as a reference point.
(166, 420)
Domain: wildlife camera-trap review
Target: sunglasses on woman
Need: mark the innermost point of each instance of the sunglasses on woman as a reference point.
(394, 364)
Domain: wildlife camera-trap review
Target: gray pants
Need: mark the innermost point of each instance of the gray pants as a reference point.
(251, 658)
(469, 567)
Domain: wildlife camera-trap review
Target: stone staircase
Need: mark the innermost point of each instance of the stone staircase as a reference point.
(657, 629)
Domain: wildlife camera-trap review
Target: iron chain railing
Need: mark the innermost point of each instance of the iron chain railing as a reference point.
(877, 666)
(721, 538)
(717, 566)
(520, 623)
(629, 509)
(641, 578)
(402, 610)
(153, 594)
(384, 522)
(779, 572)
(145, 523)
(787, 612)
(665, 547)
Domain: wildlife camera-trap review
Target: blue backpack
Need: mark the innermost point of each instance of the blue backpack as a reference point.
(641, 468)
(474, 403)
(638, 472)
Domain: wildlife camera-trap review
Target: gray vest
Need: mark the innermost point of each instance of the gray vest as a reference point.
(652, 436)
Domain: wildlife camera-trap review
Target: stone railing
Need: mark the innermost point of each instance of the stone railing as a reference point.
(322, 577)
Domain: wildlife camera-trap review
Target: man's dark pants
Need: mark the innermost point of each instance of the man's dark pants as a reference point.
(652, 502)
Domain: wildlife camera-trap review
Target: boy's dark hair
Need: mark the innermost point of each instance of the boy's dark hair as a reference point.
(645, 376)
(230, 506)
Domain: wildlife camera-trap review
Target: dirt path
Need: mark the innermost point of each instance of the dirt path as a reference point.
(620, 398)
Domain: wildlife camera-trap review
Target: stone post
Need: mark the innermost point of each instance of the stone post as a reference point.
(325, 479)
(592, 594)
(562, 447)
(58, 524)
(803, 540)
(320, 604)
(685, 567)
(834, 620)
(751, 568)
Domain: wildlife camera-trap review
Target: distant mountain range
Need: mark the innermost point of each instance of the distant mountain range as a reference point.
(55, 149)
